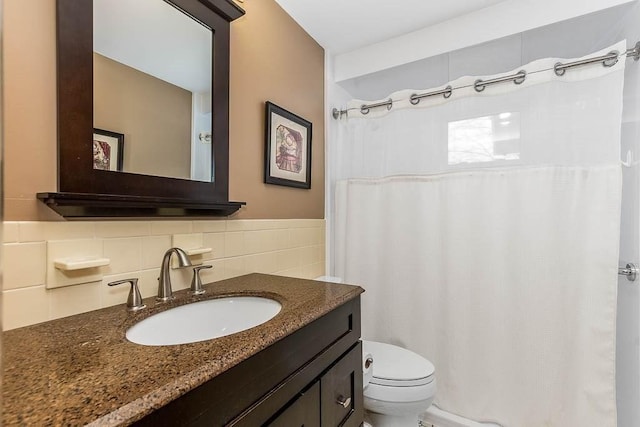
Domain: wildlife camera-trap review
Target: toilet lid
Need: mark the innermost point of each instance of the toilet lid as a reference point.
(396, 366)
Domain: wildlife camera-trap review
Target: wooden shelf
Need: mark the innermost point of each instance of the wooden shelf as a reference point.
(83, 205)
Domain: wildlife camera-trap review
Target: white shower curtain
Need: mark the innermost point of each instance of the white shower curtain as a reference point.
(503, 276)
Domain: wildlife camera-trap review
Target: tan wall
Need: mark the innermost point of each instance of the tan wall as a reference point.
(272, 59)
(29, 82)
(153, 115)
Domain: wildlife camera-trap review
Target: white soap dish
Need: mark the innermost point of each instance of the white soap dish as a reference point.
(197, 251)
(80, 263)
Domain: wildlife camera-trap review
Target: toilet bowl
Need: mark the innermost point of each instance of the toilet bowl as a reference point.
(402, 386)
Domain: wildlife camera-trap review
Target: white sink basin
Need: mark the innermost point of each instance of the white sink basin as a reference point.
(204, 320)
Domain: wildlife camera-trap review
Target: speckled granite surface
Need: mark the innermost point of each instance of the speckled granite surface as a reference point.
(82, 370)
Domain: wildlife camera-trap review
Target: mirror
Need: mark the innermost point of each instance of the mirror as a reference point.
(130, 187)
(151, 90)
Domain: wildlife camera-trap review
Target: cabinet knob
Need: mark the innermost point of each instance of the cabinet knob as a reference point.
(345, 402)
(134, 301)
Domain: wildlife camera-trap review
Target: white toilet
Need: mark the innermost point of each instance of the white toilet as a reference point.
(402, 386)
(399, 389)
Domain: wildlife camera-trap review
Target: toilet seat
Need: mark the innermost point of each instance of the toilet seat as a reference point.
(399, 375)
(395, 383)
(398, 367)
(389, 394)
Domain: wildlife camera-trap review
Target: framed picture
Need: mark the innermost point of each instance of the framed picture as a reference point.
(287, 148)
(108, 150)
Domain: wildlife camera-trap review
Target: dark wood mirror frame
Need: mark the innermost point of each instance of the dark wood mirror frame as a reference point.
(87, 192)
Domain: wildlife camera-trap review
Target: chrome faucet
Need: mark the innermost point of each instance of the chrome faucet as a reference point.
(134, 301)
(165, 292)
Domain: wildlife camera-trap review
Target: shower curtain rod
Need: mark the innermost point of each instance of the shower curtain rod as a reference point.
(608, 60)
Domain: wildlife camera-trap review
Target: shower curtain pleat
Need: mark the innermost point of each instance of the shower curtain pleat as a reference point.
(505, 280)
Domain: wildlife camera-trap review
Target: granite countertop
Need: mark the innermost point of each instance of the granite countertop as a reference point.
(81, 369)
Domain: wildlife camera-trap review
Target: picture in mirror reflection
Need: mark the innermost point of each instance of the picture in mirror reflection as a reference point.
(108, 150)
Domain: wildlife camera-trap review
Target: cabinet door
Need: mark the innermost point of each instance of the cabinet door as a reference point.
(341, 390)
(303, 412)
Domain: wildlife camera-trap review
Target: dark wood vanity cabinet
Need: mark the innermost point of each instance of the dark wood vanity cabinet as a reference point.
(312, 377)
(333, 400)
(303, 411)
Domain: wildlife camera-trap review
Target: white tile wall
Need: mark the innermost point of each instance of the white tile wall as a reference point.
(209, 226)
(122, 229)
(215, 241)
(30, 231)
(153, 249)
(292, 247)
(10, 232)
(125, 254)
(21, 274)
(74, 299)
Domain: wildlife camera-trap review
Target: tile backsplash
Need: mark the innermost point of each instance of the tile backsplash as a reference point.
(287, 247)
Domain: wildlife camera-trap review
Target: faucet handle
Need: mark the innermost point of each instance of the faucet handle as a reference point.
(196, 282)
(134, 302)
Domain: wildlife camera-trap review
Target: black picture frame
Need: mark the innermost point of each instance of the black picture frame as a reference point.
(115, 158)
(287, 158)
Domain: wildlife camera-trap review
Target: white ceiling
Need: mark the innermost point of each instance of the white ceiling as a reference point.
(344, 25)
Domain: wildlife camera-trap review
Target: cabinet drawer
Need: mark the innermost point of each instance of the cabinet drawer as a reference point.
(341, 391)
(303, 412)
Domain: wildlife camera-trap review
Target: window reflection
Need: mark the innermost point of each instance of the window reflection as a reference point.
(485, 139)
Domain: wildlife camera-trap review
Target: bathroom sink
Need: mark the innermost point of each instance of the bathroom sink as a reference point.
(204, 320)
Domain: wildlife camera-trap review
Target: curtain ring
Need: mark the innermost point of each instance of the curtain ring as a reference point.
(610, 62)
(364, 109)
(449, 91)
(522, 76)
(478, 86)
